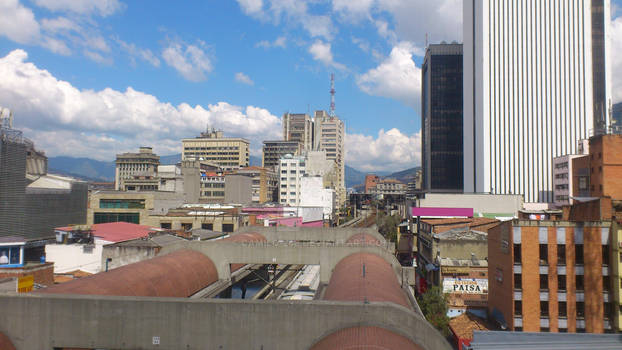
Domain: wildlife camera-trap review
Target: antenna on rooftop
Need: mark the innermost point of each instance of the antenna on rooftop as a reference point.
(332, 94)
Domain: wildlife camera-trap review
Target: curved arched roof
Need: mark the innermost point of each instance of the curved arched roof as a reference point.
(365, 338)
(5, 343)
(178, 274)
(365, 277)
(363, 238)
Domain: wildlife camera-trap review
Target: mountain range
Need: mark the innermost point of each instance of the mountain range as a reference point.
(95, 170)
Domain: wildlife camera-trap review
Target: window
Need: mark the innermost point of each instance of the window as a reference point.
(518, 281)
(165, 225)
(606, 283)
(227, 227)
(562, 309)
(580, 309)
(122, 203)
(518, 307)
(9, 255)
(561, 282)
(544, 308)
(544, 252)
(607, 310)
(579, 282)
(102, 218)
(517, 254)
(186, 226)
(578, 253)
(207, 227)
(544, 282)
(561, 254)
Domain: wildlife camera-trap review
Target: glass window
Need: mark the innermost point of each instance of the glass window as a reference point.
(9, 255)
(517, 254)
(606, 283)
(544, 282)
(544, 254)
(578, 253)
(580, 309)
(561, 282)
(562, 309)
(544, 308)
(579, 282)
(518, 307)
(605, 251)
(518, 281)
(561, 254)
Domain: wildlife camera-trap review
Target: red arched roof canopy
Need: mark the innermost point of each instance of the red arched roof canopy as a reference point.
(363, 238)
(178, 274)
(5, 343)
(365, 277)
(365, 337)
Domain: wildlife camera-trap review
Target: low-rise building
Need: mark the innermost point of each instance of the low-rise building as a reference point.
(145, 163)
(551, 276)
(389, 187)
(130, 251)
(213, 217)
(133, 207)
(265, 183)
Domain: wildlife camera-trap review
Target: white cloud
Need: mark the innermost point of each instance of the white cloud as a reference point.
(615, 55)
(59, 24)
(83, 7)
(353, 10)
(137, 52)
(361, 43)
(64, 120)
(278, 42)
(243, 78)
(191, 61)
(390, 150)
(294, 12)
(321, 51)
(18, 23)
(397, 77)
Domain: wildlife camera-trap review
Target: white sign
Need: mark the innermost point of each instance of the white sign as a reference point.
(156, 341)
(465, 285)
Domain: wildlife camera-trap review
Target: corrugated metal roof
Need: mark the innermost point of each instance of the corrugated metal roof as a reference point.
(365, 277)
(365, 337)
(178, 274)
(484, 340)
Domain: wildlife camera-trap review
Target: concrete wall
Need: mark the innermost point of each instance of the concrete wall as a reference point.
(124, 255)
(71, 257)
(238, 189)
(313, 234)
(50, 321)
(481, 203)
(462, 249)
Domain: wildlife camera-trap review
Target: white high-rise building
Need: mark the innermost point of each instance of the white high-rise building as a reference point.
(329, 136)
(535, 82)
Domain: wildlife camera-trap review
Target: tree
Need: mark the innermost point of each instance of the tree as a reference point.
(433, 304)
(387, 225)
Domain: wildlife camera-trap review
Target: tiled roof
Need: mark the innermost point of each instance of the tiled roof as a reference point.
(464, 325)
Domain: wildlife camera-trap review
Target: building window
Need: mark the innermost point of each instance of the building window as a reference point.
(544, 308)
(207, 227)
(544, 329)
(561, 282)
(544, 282)
(562, 309)
(607, 311)
(517, 254)
(561, 254)
(122, 203)
(518, 281)
(9, 255)
(227, 228)
(605, 251)
(579, 282)
(102, 218)
(165, 225)
(186, 226)
(578, 254)
(518, 307)
(544, 254)
(606, 283)
(580, 309)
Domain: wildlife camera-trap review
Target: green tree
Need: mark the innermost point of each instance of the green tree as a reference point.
(433, 304)
(387, 225)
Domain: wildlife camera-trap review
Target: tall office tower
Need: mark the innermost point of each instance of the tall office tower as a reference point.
(533, 79)
(228, 152)
(273, 151)
(329, 136)
(13, 148)
(130, 164)
(298, 127)
(441, 118)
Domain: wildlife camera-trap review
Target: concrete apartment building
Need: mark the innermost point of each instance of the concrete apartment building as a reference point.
(551, 276)
(442, 118)
(265, 183)
(291, 171)
(144, 163)
(329, 136)
(389, 187)
(569, 175)
(226, 152)
(298, 127)
(273, 151)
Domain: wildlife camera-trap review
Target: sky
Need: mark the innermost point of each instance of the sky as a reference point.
(96, 78)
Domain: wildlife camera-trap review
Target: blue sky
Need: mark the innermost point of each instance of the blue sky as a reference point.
(94, 78)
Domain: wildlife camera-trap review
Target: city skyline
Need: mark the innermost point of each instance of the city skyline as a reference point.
(167, 78)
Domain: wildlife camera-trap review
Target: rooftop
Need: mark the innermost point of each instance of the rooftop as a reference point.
(483, 340)
(464, 325)
(12, 239)
(116, 231)
(462, 233)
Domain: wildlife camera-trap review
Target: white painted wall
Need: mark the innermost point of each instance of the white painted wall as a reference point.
(313, 194)
(70, 257)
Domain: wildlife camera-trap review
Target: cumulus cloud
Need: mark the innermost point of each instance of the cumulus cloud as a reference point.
(616, 59)
(64, 120)
(353, 10)
(83, 7)
(397, 77)
(321, 51)
(243, 78)
(392, 149)
(18, 23)
(191, 61)
(278, 42)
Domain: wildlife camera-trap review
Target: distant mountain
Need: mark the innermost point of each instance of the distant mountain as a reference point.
(84, 168)
(172, 159)
(254, 161)
(405, 175)
(354, 177)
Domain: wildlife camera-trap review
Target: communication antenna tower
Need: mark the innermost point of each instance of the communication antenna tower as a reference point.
(332, 94)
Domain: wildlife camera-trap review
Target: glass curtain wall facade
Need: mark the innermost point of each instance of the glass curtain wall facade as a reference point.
(442, 113)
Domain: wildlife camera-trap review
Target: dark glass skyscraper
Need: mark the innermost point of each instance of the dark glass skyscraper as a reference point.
(441, 118)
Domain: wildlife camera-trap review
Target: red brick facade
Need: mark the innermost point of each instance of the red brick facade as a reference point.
(606, 166)
(43, 273)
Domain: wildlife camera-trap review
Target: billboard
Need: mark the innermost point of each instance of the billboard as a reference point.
(465, 285)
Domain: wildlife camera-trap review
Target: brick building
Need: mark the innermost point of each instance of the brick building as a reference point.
(606, 166)
(370, 182)
(550, 276)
